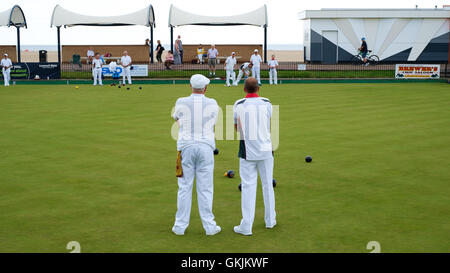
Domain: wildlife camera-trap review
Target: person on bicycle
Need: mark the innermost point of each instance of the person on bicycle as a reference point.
(364, 50)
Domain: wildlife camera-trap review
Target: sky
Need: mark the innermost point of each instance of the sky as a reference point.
(284, 26)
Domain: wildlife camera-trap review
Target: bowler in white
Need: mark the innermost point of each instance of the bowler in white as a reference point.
(256, 60)
(126, 63)
(230, 63)
(196, 116)
(273, 65)
(6, 65)
(97, 64)
(252, 116)
(244, 69)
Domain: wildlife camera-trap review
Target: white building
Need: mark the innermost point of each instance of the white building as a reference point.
(395, 35)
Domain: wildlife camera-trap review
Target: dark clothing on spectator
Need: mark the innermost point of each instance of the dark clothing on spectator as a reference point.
(364, 47)
(159, 52)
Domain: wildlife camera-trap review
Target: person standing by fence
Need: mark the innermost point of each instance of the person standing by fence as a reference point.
(159, 51)
(178, 51)
(212, 57)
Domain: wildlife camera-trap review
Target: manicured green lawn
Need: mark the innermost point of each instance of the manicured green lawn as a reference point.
(97, 166)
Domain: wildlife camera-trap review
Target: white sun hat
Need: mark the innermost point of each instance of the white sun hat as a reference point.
(199, 81)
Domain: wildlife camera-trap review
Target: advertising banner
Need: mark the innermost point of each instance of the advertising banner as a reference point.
(417, 71)
(27, 71)
(136, 71)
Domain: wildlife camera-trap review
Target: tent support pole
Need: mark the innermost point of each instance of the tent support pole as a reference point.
(265, 44)
(58, 32)
(171, 38)
(19, 59)
(151, 44)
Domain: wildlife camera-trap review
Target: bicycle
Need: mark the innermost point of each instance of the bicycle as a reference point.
(371, 59)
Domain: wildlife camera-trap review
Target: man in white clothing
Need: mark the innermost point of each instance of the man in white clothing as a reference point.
(252, 116)
(230, 63)
(244, 69)
(97, 64)
(6, 65)
(126, 63)
(256, 60)
(196, 116)
(273, 65)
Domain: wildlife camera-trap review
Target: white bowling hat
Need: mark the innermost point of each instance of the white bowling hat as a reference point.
(199, 81)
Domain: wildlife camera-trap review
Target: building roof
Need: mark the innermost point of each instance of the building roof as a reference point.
(178, 17)
(64, 17)
(13, 17)
(374, 13)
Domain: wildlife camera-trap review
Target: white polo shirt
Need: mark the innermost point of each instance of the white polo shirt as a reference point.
(273, 64)
(125, 60)
(245, 67)
(230, 63)
(252, 115)
(256, 60)
(97, 63)
(90, 53)
(6, 62)
(196, 116)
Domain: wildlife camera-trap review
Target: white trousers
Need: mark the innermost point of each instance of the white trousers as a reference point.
(232, 75)
(197, 162)
(200, 58)
(97, 73)
(6, 76)
(273, 76)
(127, 73)
(239, 77)
(248, 171)
(256, 73)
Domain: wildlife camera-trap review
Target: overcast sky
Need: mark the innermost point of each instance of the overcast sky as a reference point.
(284, 27)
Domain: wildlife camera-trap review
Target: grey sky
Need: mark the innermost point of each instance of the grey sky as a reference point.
(284, 27)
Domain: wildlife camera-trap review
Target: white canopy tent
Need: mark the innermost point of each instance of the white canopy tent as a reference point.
(258, 17)
(14, 17)
(63, 17)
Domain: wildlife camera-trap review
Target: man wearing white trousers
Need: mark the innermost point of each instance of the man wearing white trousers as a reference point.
(97, 69)
(230, 63)
(273, 65)
(256, 60)
(252, 116)
(6, 65)
(244, 69)
(126, 63)
(196, 116)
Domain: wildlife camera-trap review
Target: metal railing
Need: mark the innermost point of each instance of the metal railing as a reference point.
(286, 70)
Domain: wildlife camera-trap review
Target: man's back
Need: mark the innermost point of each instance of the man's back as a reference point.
(252, 116)
(197, 116)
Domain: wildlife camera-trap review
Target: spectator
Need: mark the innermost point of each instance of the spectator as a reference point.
(200, 53)
(90, 55)
(364, 51)
(159, 51)
(178, 51)
(212, 57)
(169, 60)
(149, 44)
